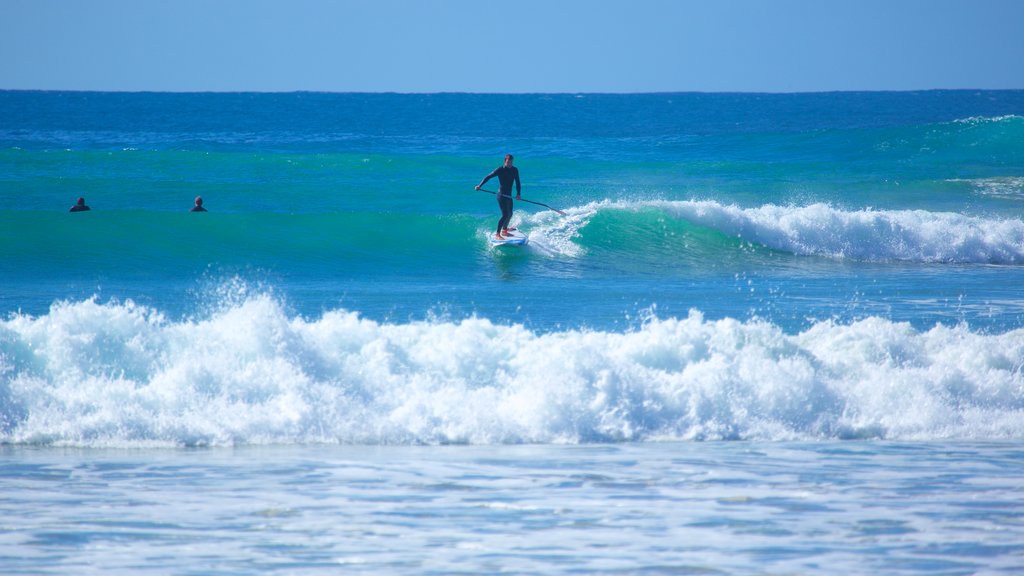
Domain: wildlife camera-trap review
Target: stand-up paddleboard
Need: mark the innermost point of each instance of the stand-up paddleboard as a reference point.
(514, 238)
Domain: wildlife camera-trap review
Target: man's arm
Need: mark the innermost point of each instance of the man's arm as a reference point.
(488, 177)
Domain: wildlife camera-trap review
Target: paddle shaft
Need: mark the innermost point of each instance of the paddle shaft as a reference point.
(525, 200)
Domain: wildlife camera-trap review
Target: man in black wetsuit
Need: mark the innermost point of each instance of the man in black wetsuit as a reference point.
(507, 174)
(80, 206)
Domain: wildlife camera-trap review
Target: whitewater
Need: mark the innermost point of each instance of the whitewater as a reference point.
(90, 374)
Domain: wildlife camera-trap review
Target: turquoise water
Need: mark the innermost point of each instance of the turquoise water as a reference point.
(832, 279)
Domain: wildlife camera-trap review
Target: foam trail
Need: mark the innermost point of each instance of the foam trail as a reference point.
(1006, 188)
(553, 233)
(90, 374)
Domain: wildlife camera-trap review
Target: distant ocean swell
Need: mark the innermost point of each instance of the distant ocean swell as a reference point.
(157, 163)
(91, 374)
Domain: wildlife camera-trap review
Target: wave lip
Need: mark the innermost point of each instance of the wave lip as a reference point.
(89, 374)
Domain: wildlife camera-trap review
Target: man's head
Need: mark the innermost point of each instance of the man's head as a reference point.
(508, 159)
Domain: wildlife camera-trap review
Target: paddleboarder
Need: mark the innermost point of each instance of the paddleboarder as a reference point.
(507, 175)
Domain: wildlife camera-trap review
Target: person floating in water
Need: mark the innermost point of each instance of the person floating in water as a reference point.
(199, 205)
(80, 206)
(507, 175)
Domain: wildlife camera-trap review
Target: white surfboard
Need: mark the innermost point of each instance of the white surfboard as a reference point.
(515, 238)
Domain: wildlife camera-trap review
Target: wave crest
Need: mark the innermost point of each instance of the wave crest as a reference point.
(871, 235)
(978, 120)
(864, 235)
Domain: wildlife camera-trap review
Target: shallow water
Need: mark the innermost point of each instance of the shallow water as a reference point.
(659, 508)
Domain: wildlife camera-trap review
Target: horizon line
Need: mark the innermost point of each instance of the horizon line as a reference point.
(525, 93)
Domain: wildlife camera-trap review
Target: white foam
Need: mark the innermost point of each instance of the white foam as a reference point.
(976, 120)
(1005, 188)
(869, 235)
(123, 375)
(554, 233)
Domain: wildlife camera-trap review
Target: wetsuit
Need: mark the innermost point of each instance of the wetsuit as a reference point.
(506, 177)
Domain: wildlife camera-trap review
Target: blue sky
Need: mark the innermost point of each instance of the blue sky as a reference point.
(511, 46)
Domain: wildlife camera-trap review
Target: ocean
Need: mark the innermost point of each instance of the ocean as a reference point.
(755, 334)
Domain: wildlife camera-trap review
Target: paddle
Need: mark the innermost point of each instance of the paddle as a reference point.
(525, 200)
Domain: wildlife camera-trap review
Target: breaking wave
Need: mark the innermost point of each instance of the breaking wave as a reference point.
(824, 230)
(121, 374)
